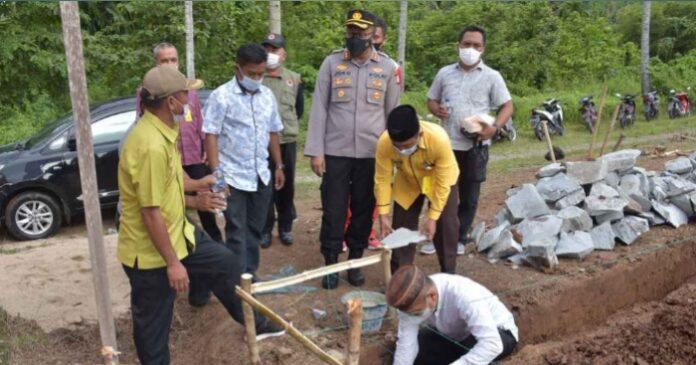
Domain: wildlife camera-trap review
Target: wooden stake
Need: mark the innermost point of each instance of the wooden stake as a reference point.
(292, 331)
(590, 154)
(267, 286)
(611, 127)
(618, 142)
(249, 322)
(72, 38)
(386, 268)
(355, 313)
(548, 141)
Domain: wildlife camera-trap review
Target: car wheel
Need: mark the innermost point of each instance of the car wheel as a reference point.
(32, 215)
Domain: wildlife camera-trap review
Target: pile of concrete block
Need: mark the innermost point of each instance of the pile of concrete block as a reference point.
(578, 207)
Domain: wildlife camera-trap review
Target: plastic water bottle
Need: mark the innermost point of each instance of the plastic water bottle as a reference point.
(447, 104)
(219, 186)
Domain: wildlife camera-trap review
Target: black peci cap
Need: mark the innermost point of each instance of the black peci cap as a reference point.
(402, 123)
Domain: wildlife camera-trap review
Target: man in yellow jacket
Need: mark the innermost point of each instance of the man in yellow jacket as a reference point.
(414, 161)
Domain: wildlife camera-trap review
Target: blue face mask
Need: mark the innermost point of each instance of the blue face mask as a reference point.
(249, 83)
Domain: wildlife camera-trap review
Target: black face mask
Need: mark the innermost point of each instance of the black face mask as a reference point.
(378, 46)
(357, 46)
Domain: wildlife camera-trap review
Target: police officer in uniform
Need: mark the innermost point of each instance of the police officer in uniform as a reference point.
(354, 92)
(288, 90)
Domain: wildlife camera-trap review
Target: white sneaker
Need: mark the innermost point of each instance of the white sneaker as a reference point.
(427, 249)
(460, 249)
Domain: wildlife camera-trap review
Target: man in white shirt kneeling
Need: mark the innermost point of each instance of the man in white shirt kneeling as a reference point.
(464, 323)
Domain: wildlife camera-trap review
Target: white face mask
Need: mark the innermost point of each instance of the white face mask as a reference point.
(469, 56)
(408, 151)
(181, 118)
(273, 61)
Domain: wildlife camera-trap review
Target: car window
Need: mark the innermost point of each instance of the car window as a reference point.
(111, 129)
(47, 131)
(59, 143)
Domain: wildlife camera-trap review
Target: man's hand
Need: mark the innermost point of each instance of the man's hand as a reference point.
(210, 202)
(279, 179)
(441, 112)
(429, 228)
(384, 226)
(178, 277)
(318, 165)
(487, 132)
(206, 182)
(204, 158)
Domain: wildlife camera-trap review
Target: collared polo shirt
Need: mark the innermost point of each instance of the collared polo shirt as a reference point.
(431, 170)
(150, 175)
(477, 91)
(243, 123)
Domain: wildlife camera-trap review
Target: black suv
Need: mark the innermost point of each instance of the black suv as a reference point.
(40, 179)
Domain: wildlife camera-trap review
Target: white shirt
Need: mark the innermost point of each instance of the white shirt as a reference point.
(464, 308)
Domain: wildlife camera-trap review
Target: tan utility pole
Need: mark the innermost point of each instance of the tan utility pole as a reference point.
(274, 16)
(403, 18)
(72, 37)
(188, 24)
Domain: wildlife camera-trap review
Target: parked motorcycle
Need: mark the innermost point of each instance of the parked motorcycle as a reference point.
(652, 105)
(588, 112)
(678, 104)
(627, 110)
(552, 113)
(508, 131)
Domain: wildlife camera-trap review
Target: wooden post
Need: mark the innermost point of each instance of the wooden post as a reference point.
(188, 24)
(72, 37)
(618, 142)
(548, 141)
(611, 127)
(403, 18)
(249, 322)
(590, 154)
(292, 331)
(386, 269)
(274, 16)
(355, 314)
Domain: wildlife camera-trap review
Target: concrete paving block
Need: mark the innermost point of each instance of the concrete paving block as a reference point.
(683, 202)
(505, 247)
(609, 217)
(586, 172)
(526, 203)
(531, 229)
(576, 245)
(653, 218)
(556, 187)
(491, 237)
(670, 213)
(574, 219)
(503, 216)
(550, 170)
(573, 199)
(630, 228)
(621, 160)
(541, 254)
(612, 179)
(477, 232)
(603, 237)
(680, 165)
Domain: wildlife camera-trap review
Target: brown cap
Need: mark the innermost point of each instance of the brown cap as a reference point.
(360, 18)
(405, 286)
(163, 81)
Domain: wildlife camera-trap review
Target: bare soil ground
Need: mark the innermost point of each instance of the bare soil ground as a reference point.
(549, 307)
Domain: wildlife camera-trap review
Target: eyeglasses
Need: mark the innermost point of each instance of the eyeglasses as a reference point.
(350, 34)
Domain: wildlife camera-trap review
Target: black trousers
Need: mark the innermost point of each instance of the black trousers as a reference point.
(152, 299)
(435, 349)
(283, 199)
(446, 233)
(207, 218)
(245, 217)
(346, 177)
(472, 166)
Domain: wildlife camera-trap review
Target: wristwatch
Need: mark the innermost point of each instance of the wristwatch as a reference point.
(280, 167)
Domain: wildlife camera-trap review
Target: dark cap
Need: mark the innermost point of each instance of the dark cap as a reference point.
(402, 123)
(360, 18)
(405, 287)
(274, 40)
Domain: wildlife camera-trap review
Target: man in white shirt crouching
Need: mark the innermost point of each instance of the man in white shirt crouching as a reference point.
(463, 322)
